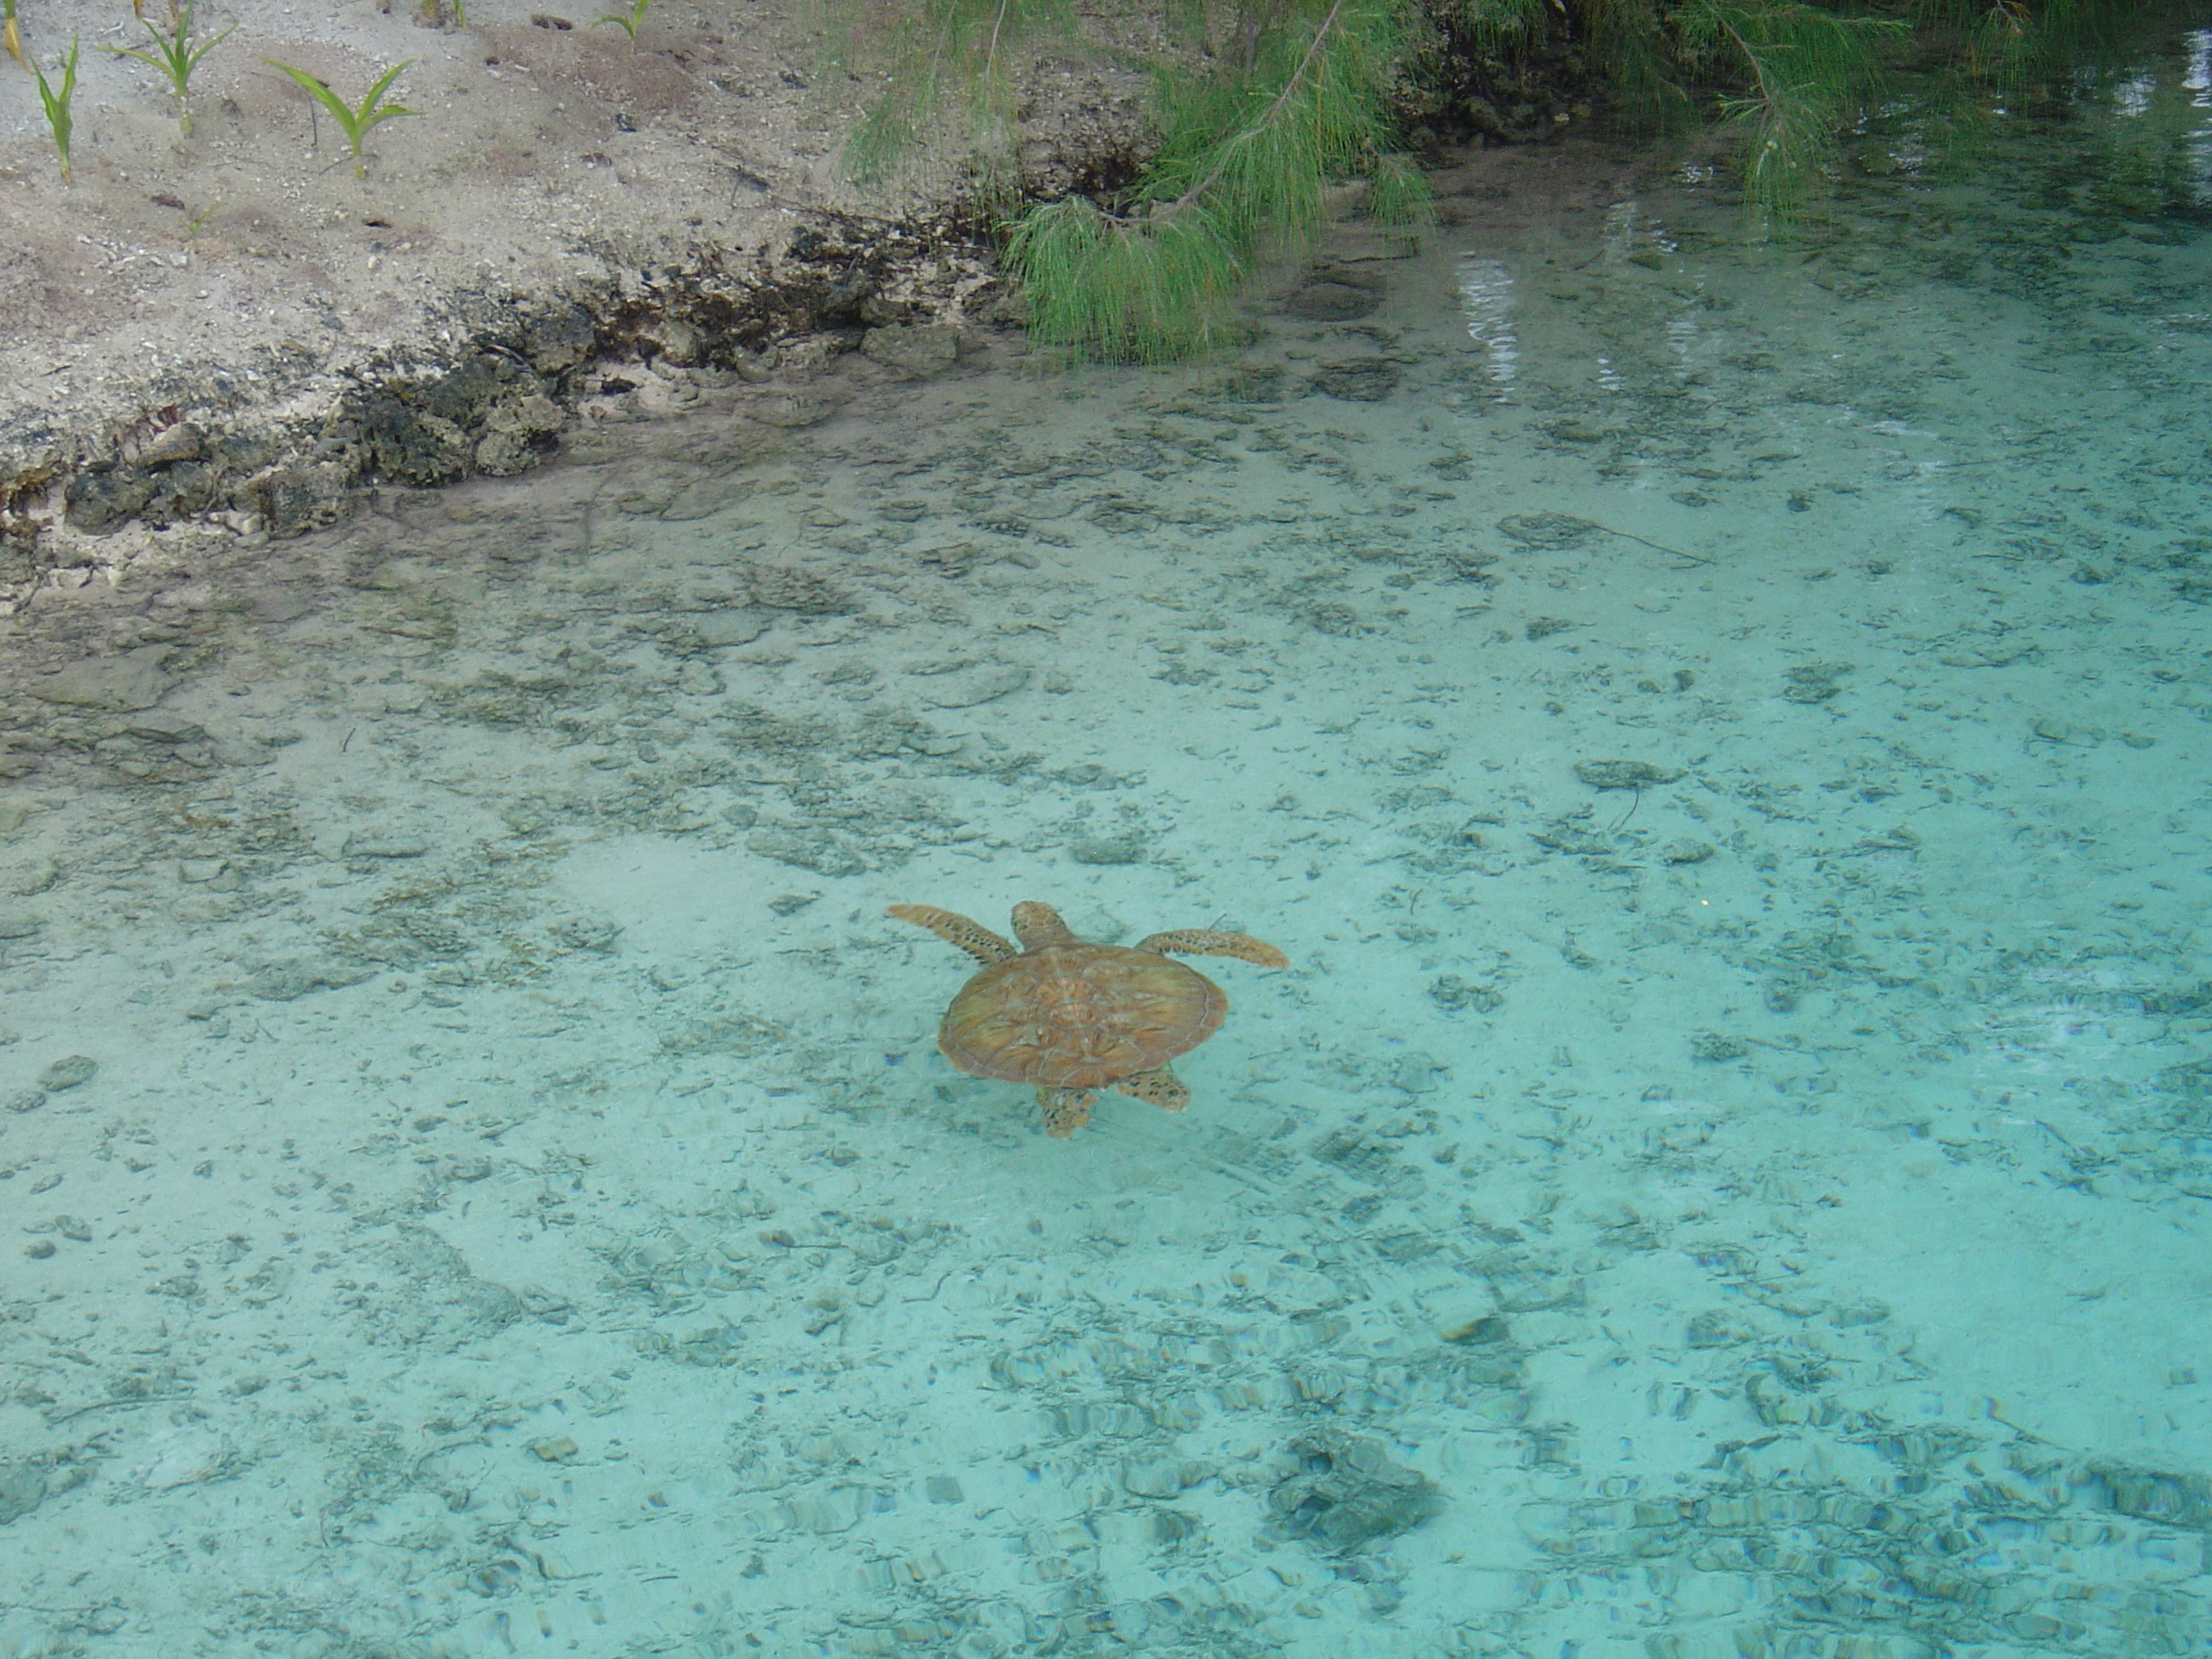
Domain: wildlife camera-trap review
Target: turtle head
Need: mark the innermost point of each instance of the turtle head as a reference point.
(1039, 925)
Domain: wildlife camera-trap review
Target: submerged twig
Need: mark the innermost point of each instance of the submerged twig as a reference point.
(1657, 547)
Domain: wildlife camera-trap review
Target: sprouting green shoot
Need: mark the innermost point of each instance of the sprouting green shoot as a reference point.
(58, 106)
(176, 57)
(627, 21)
(355, 123)
(9, 36)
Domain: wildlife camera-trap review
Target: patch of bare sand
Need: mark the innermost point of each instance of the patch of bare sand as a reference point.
(545, 158)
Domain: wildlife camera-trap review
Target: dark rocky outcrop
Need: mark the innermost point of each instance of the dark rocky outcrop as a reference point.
(498, 403)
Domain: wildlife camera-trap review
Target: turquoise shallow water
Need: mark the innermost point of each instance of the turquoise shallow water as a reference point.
(1716, 726)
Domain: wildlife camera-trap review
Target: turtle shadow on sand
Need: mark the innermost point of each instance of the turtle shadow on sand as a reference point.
(1072, 1018)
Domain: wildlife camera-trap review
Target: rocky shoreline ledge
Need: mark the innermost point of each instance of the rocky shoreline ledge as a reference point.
(232, 334)
(494, 380)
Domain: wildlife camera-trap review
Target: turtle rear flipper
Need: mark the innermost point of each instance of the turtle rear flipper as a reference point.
(1160, 1086)
(977, 940)
(1066, 1111)
(1208, 942)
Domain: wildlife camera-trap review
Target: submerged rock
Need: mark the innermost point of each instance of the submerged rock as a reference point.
(287, 982)
(1332, 299)
(1625, 773)
(1546, 529)
(311, 495)
(1349, 1492)
(808, 848)
(1357, 379)
(917, 350)
(23, 1489)
(107, 494)
(973, 689)
(560, 338)
(121, 684)
(1108, 849)
(182, 442)
(69, 1073)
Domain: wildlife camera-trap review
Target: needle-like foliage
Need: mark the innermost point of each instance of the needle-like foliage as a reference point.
(952, 65)
(2011, 42)
(1264, 104)
(1802, 69)
(1242, 168)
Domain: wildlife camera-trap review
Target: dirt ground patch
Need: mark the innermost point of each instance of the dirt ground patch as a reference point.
(243, 278)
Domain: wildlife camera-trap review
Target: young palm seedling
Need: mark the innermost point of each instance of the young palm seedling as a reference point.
(58, 106)
(355, 123)
(627, 21)
(11, 36)
(176, 57)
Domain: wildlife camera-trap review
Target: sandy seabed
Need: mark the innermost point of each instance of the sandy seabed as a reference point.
(1719, 730)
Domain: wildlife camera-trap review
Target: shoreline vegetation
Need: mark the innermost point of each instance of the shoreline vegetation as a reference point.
(1260, 107)
(1241, 131)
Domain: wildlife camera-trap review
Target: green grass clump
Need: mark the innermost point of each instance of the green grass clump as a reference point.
(355, 121)
(951, 75)
(176, 57)
(58, 106)
(627, 22)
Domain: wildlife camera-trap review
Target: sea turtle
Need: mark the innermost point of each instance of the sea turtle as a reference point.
(1072, 1018)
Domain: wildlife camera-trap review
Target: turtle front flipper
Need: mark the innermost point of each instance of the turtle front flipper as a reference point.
(1206, 942)
(1066, 1111)
(1160, 1086)
(977, 940)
